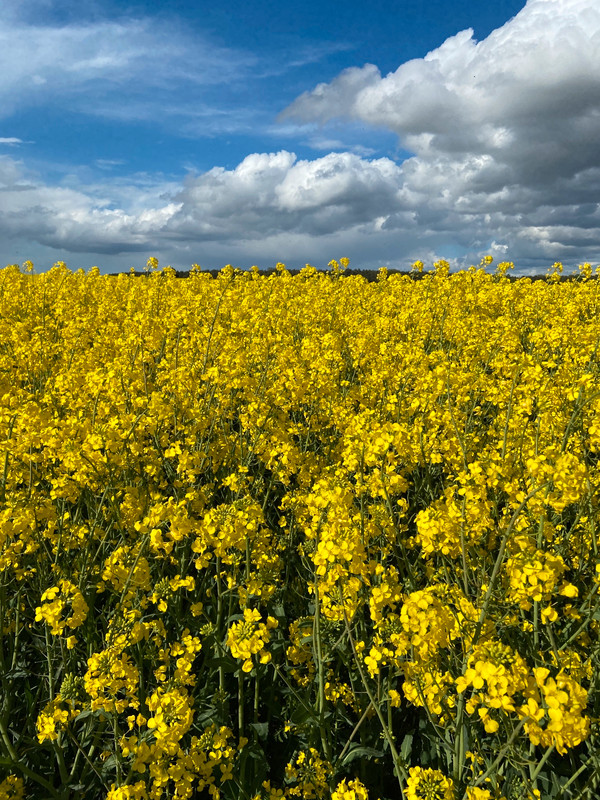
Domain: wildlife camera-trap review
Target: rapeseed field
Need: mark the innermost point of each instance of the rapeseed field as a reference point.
(299, 536)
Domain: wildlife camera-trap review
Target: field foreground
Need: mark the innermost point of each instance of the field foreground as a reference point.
(299, 537)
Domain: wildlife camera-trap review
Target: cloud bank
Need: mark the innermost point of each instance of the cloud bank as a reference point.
(504, 131)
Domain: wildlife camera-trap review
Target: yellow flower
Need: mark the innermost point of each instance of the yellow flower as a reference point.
(62, 606)
(350, 790)
(12, 788)
(428, 784)
(136, 791)
(249, 637)
(55, 718)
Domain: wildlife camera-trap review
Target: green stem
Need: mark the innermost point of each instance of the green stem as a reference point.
(401, 768)
(491, 769)
(60, 758)
(240, 703)
(81, 751)
(353, 734)
(498, 565)
(320, 674)
(540, 765)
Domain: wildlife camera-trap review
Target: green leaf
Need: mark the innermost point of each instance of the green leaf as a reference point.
(261, 729)
(406, 746)
(301, 714)
(109, 767)
(16, 673)
(359, 751)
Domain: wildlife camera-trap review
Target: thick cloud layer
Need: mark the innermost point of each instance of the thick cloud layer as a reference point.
(506, 129)
(267, 194)
(77, 220)
(274, 193)
(528, 96)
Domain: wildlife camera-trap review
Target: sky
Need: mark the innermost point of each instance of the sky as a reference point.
(257, 132)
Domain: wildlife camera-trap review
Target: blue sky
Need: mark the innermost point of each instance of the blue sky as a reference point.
(250, 133)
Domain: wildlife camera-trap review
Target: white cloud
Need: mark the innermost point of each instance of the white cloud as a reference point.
(103, 66)
(317, 142)
(10, 140)
(97, 219)
(507, 127)
(154, 69)
(109, 163)
(268, 194)
(273, 206)
(539, 75)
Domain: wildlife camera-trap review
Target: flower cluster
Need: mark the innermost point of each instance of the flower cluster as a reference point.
(554, 711)
(249, 636)
(298, 536)
(63, 606)
(429, 784)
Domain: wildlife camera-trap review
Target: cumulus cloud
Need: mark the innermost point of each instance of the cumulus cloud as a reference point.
(525, 90)
(273, 206)
(505, 129)
(267, 194)
(95, 219)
